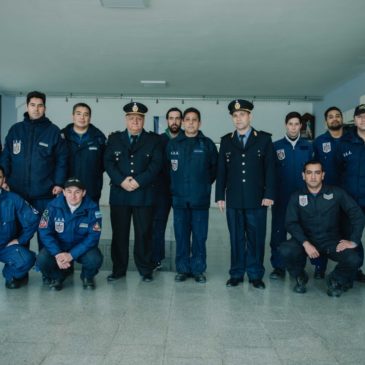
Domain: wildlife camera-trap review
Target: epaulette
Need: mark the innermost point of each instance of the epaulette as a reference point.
(266, 133)
(228, 135)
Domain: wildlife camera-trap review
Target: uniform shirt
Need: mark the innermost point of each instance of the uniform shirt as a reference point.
(34, 158)
(143, 161)
(86, 154)
(63, 231)
(17, 219)
(289, 162)
(246, 175)
(317, 218)
(193, 166)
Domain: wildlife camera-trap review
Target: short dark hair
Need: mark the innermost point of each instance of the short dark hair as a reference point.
(36, 94)
(192, 110)
(293, 115)
(81, 105)
(312, 162)
(331, 108)
(2, 170)
(174, 109)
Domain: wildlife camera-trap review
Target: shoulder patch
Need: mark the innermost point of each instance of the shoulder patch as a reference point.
(98, 214)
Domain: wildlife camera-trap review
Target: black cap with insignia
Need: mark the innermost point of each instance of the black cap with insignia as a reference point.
(74, 182)
(240, 104)
(360, 109)
(135, 108)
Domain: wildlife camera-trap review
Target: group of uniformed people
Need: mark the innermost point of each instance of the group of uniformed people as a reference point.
(55, 180)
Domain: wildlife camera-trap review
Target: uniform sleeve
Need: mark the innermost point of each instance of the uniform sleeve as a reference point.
(5, 159)
(220, 185)
(292, 220)
(110, 162)
(269, 166)
(93, 235)
(316, 150)
(61, 161)
(47, 232)
(213, 162)
(28, 218)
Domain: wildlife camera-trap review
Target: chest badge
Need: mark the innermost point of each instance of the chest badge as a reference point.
(281, 154)
(17, 146)
(59, 225)
(328, 196)
(174, 165)
(303, 200)
(326, 147)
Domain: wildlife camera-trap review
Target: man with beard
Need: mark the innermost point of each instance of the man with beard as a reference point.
(163, 194)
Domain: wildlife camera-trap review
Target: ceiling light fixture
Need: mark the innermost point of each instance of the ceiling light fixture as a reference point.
(139, 4)
(153, 83)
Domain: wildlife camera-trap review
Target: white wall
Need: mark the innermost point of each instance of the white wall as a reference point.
(107, 115)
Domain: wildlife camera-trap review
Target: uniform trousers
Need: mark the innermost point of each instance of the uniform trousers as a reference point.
(91, 262)
(247, 229)
(18, 261)
(295, 258)
(142, 223)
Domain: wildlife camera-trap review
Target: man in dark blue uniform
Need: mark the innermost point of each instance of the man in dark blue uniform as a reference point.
(86, 145)
(193, 159)
(291, 153)
(163, 194)
(313, 219)
(35, 156)
(133, 159)
(246, 186)
(70, 229)
(19, 221)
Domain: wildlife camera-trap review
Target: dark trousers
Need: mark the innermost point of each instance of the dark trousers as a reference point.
(295, 258)
(247, 229)
(91, 262)
(160, 218)
(191, 255)
(142, 223)
(18, 261)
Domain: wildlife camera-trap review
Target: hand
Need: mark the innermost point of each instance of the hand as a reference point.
(13, 242)
(57, 190)
(310, 250)
(345, 244)
(267, 202)
(134, 184)
(127, 183)
(64, 260)
(5, 186)
(221, 205)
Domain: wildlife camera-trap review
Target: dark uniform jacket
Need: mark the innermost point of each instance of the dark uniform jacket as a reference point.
(17, 219)
(289, 164)
(317, 218)
(142, 162)
(86, 158)
(246, 175)
(192, 171)
(351, 166)
(34, 158)
(63, 231)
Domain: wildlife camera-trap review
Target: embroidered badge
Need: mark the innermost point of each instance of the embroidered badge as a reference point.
(83, 225)
(303, 200)
(281, 154)
(59, 225)
(43, 144)
(174, 165)
(17, 146)
(96, 227)
(328, 196)
(326, 147)
(98, 214)
(93, 148)
(43, 223)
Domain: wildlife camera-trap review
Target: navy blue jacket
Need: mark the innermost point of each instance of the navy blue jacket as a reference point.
(351, 165)
(192, 171)
(86, 158)
(325, 150)
(289, 164)
(246, 175)
(63, 231)
(18, 219)
(143, 162)
(34, 158)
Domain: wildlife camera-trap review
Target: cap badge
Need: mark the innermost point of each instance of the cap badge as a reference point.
(135, 108)
(237, 105)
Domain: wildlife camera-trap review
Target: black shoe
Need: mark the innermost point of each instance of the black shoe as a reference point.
(302, 280)
(46, 280)
(180, 276)
(15, 283)
(234, 281)
(56, 285)
(257, 283)
(335, 289)
(200, 278)
(360, 276)
(319, 273)
(88, 283)
(114, 277)
(147, 278)
(277, 274)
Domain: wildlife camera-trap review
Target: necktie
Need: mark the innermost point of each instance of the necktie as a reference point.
(243, 139)
(133, 141)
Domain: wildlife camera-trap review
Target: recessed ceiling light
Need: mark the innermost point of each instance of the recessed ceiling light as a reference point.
(153, 83)
(123, 3)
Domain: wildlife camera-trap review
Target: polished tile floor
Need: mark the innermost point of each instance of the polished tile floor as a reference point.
(163, 322)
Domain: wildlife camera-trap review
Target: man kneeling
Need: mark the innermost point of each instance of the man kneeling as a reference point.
(313, 218)
(70, 231)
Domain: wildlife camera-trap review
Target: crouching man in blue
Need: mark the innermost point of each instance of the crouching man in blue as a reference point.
(193, 160)
(19, 222)
(313, 219)
(70, 229)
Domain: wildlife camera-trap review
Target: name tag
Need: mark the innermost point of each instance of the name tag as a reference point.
(43, 144)
(83, 225)
(93, 148)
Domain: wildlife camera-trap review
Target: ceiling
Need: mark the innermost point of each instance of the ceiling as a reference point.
(211, 48)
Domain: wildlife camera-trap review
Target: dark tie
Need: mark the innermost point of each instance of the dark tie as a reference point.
(133, 140)
(242, 139)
